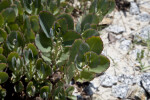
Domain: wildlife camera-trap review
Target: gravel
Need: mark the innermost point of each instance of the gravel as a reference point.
(108, 80)
(134, 9)
(126, 79)
(143, 17)
(125, 45)
(120, 91)
(115, 29)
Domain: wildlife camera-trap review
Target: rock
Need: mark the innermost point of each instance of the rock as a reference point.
(126, 79)
(143, 35)
(145, 78)
(145, 32)
(111, 38)
(137, 79)
(125, 45)
(108, 80)
(120, 91)
(95, 82)
(89, 90)
(143, 17)
(135, 52)
(115, 29)
(134, 9)
(137, 93)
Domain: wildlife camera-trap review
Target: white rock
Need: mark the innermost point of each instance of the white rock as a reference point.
(135, 52)
(115, 29)
(95, 82)
(137, 79)
(143, 17)
(126, 79)
(134, 9)
(137, 93)
(108, 80)
(145, 78)
(89, 90)
(145, 32)
(125, 45)
(120, 91)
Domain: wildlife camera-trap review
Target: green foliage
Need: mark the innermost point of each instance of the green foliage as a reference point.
(46, 21)
(69, 20)
(88, 20)
(3, 77)
(90, 32)
(42, 49)
(9, 15)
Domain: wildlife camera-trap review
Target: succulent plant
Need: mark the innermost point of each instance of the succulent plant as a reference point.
(42, 49)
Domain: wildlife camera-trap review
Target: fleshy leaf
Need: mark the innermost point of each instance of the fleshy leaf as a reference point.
(2, 92)
(43, 70)
(19, 87)
(44, 92)
(77, 50)
(9, 15)
(15, 39)
(19, 6)
(31, 90)
(96, 63)
(4, 4)
(1, 20)
(2, 59)
(2, 66)
(46, 20)
(43, 43)
(11, 59)
(85, 76)
(103, 66)
(95, 43)
(1, 50)
(70, 71)
(102, 7)
(13, 26)
(64, 57)
(27, 6)
(70, 36)
(29, 34)
(63, 25)
(46, 58)
(90, 32)
(33, 48)
(34, 23)
(14, 6)
(69, 20)
(3, 77)
(89, 19)
(3, 34)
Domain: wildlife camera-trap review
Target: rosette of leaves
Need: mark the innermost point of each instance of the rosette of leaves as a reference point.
(30, 57)
(83, 49)
(15, 64)
(2, 93)
(3, 75)
(102, 7)
(39, 56)
(3, 65)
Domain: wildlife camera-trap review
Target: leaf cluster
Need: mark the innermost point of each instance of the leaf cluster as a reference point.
(42, 49)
